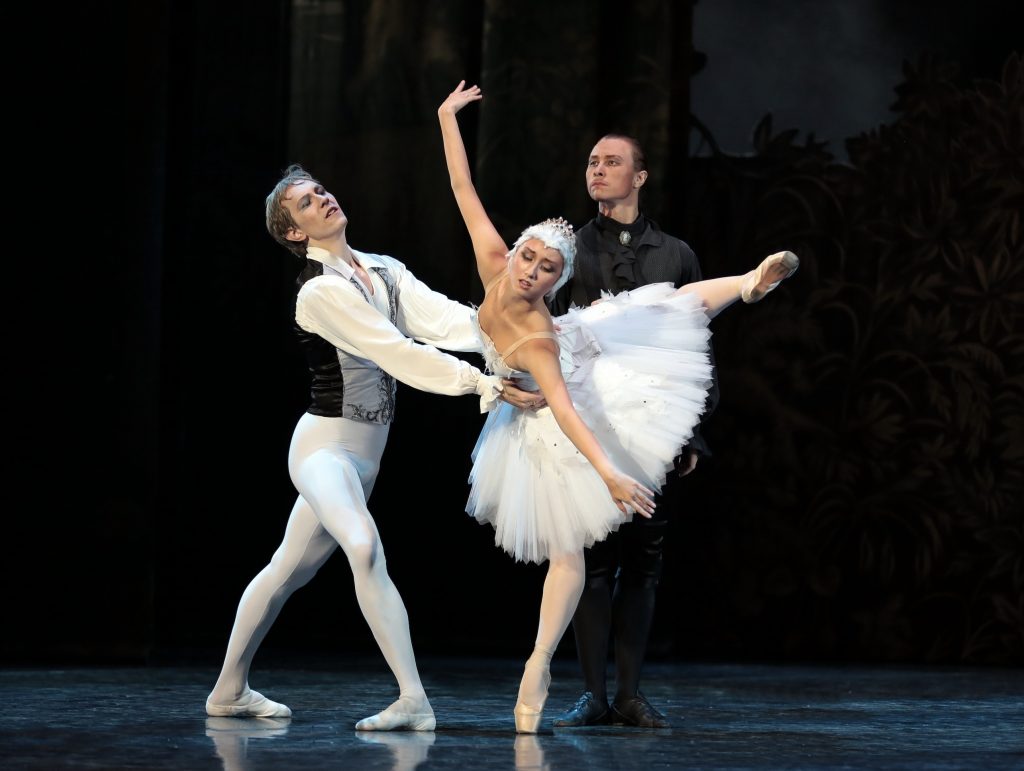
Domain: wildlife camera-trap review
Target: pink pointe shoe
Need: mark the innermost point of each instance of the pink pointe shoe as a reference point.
(773, 269)
(528, 718)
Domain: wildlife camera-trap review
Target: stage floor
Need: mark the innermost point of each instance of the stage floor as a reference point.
(723, 716)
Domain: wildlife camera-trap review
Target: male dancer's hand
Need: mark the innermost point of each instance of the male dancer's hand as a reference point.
(687, 462)
(524, 400)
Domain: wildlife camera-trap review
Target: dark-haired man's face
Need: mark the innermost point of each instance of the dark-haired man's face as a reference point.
(611, 176)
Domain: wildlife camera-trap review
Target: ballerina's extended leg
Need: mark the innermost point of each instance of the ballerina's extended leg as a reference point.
(717, 294)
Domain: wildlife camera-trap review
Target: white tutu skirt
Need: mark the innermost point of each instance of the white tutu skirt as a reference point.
(637, 368)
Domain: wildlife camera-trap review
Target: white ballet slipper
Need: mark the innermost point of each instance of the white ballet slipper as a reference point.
(754, 288)
(406, 714)
(252, 704)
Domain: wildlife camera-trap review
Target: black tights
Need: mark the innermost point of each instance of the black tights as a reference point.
(621, 601)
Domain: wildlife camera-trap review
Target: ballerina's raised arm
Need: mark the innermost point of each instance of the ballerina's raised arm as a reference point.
(513, 311)
(488, 246)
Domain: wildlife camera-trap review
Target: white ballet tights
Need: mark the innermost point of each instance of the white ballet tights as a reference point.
(717, 294)
(563, 586)
(333, 464)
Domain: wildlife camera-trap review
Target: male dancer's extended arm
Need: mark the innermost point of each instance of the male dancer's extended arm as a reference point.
(432, 318)
(429, 316)
(328, 306)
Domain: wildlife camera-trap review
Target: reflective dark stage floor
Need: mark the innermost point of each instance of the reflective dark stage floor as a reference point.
(723, 716)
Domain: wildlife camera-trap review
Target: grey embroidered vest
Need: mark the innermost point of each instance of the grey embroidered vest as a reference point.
(344, 385)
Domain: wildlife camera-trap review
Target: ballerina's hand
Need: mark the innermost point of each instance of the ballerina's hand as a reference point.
(631, 496)
(459, 98)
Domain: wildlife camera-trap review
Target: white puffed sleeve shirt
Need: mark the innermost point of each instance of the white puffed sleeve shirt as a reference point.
(335, 307)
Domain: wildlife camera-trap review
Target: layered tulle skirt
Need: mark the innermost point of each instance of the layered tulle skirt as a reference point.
(638, 372)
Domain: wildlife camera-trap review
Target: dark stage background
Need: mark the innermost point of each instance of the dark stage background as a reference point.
(865, 497)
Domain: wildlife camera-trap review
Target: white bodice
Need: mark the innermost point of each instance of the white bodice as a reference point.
(576, 344)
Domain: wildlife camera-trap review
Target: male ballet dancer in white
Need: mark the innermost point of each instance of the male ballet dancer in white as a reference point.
(353, 312)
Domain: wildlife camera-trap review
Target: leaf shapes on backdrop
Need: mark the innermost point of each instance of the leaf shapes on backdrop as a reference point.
(878, 413)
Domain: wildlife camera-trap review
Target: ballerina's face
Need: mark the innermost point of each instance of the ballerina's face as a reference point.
(534, 269)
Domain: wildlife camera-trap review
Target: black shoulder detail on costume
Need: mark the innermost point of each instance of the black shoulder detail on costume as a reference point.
(687, 250)
(311, 269)
(654, 225)
(587, 235)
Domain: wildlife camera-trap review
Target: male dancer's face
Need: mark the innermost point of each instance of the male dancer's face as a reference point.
(611, 177)
(316, 212)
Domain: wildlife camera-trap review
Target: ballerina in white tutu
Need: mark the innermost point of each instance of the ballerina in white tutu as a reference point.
(625, 382)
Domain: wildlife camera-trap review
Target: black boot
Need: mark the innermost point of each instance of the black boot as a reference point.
(632, 614)
(637, 711)
(588, 710)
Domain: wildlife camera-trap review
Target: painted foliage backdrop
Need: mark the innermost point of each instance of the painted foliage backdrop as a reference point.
(871, 499)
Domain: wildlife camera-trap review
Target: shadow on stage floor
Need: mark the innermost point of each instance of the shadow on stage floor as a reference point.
(723, 716)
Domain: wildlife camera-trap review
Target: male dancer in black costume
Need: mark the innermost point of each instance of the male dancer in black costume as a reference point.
(617, 250)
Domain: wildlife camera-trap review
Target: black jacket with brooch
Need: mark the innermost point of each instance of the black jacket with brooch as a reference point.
(604, 263)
